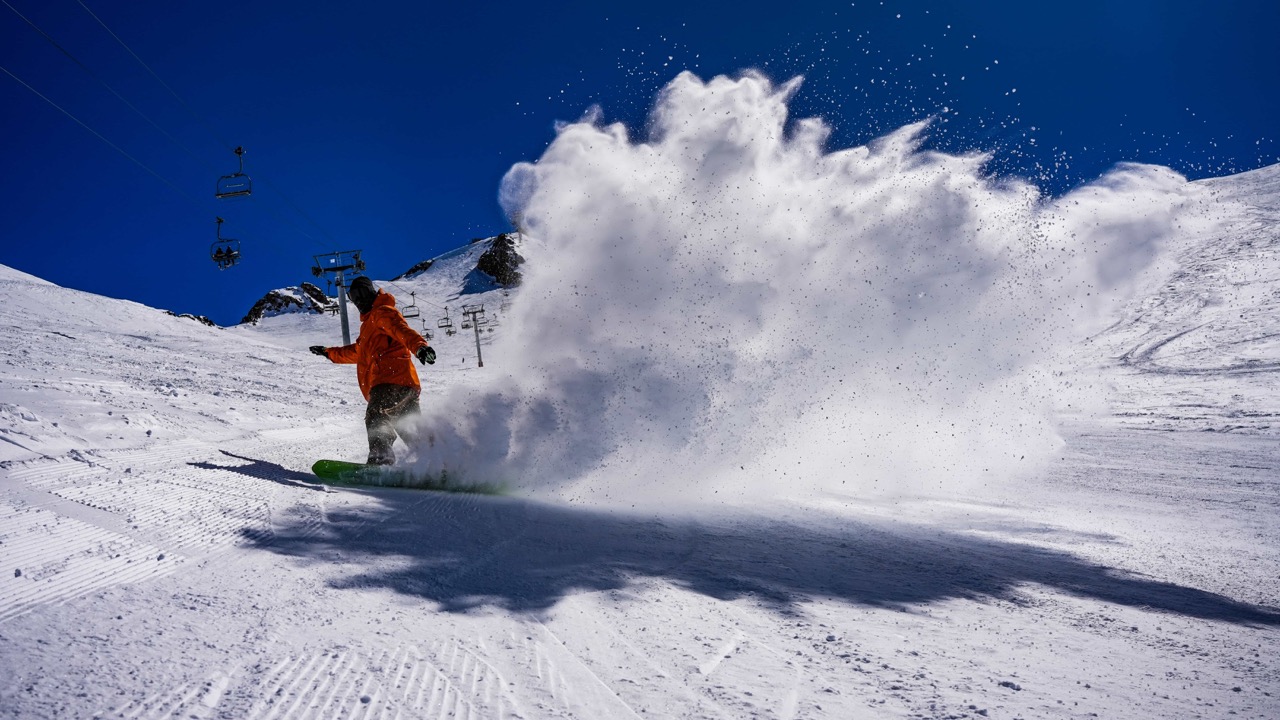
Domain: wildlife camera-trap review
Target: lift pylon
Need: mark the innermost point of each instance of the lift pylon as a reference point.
(474, 315)
(339, 264)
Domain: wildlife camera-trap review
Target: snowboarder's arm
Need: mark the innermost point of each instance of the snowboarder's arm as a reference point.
(345, 354)
(400, 330)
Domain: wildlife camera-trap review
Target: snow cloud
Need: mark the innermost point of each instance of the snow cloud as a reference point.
(730, 307)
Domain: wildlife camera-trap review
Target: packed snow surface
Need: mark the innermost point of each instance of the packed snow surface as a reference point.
(789, 433)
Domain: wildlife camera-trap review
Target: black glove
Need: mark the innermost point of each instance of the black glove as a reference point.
(320, 350)
(426, 355)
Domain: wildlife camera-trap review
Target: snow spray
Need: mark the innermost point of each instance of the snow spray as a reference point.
(729, 308)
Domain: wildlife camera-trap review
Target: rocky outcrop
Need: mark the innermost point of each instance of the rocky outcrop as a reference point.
(501, 261)
(198, 318)
(304, 298)
(414, 271)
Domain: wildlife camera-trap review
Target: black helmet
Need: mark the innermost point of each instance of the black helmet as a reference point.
(362, 293)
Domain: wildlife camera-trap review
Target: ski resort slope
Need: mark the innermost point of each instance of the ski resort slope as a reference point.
(165, 553)
(1202, 351)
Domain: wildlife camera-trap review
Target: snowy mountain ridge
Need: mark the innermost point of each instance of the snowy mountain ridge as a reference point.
(497, 264)
(304, 298)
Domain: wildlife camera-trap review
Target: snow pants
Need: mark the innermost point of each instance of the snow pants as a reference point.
(388, 404)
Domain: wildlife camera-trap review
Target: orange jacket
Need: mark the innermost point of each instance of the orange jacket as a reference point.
(383, 352)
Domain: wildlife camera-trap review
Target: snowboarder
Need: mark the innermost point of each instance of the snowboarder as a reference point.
(382, 355)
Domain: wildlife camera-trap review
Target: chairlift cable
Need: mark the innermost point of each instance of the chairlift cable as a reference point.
(172, 92)
(117, 148)
(213, 133)
(106, 85)
(125, 153)
(321, 228)
(392, 284)
(155, 174)
(428, 302)
(131, 106)
(100, 136)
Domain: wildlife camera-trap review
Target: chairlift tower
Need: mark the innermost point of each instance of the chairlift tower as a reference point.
(340, 263)
(474, 315)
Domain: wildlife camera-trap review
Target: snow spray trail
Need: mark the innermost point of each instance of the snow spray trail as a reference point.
(727, 304)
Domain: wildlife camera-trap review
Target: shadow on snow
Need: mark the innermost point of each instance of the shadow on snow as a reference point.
(467, 552)
(263, 470)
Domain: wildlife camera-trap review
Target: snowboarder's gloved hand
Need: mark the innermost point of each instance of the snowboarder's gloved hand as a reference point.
(320, 350)
(426, 355)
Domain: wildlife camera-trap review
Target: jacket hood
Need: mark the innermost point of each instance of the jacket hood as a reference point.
(383, 299)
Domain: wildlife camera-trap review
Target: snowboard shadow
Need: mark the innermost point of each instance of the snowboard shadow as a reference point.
(263, 470)
(467, 552)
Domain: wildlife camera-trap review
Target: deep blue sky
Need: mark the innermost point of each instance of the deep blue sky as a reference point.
(387, 126)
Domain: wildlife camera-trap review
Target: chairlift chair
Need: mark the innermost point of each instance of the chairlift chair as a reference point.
(225, 252)
(236, 184)
(411, 310)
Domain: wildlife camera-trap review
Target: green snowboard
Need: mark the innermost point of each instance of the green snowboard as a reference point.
(339, 472)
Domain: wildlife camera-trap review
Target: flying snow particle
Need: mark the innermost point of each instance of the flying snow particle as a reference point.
(726, 292)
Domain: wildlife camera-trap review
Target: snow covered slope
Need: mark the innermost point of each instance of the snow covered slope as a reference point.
(85, 374)
(1202, 352)
(164, 553)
